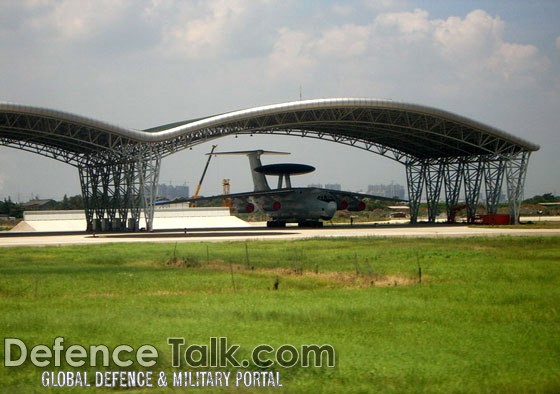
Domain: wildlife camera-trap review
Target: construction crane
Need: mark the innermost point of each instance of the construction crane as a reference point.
(203, 174)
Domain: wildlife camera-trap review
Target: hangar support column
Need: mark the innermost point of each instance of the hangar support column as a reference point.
(415, 173)
(109, 196)
(494, 169)
(147, 176)
(462, 173)
(115, 189)
(433, 175)
(516, 170)
(452, 178)
(472, 177)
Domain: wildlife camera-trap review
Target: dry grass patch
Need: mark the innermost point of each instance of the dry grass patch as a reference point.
(331, 278)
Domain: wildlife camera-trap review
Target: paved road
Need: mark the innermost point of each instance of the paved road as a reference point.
(260, 233)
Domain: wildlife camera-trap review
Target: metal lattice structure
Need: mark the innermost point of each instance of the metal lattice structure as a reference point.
(119, 167)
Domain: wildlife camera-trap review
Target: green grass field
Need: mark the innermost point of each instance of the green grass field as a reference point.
(483, 316)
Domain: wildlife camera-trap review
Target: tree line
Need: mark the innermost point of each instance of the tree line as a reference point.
(547, 197)
(10, 208)
(14, 209)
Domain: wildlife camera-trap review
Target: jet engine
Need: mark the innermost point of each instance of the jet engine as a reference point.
(342, 205)
(272, 206)
(356, 205)
(246, 208)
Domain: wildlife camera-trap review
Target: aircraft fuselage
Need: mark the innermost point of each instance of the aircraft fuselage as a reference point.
(294, 205)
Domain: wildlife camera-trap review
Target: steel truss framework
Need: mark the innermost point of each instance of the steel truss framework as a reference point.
(119, 167)
(118, 174)
(467, 174)
(116, 191)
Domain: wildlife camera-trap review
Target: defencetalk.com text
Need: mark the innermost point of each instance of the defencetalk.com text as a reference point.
(214, 364)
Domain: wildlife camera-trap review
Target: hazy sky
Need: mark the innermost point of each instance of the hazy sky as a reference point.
(140, 64)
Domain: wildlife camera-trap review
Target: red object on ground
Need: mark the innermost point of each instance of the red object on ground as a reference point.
(495, 220)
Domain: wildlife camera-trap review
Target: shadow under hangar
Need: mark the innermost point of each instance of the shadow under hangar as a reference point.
(119, 167)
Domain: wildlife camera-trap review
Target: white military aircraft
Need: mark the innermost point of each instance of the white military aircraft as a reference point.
(306, 206)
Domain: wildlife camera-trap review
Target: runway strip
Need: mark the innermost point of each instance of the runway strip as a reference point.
(261, 233)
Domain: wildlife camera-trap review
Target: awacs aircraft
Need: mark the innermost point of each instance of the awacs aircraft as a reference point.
(306, 206)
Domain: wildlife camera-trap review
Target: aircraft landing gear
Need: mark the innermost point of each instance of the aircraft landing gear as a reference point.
(275, 224)
(310, 224)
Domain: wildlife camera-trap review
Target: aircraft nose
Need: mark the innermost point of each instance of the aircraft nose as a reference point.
(329, 211)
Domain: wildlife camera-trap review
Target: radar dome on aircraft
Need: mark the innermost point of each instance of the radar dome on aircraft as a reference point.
(285, 169)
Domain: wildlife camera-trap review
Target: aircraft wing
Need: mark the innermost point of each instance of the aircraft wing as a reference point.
(342, 194)
(338, 194)
(247, 202)
(352, 201)
(267, 193)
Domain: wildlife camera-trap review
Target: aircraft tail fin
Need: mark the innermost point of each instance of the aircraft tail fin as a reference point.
(259, 180)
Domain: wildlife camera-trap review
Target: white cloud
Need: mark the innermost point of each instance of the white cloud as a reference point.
(515, 60)
(408, 24)
(476, 48)
(74, 20)
(209, 27)
(474, 37)
(408, 42)
(343, 41)
(292, 53)
(409, 47)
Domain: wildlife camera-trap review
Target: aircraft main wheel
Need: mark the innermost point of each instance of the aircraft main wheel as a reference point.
(275, 224)
(310, 224)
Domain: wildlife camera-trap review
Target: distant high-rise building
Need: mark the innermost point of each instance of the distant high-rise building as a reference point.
(319, 185)
(172, 192)
(392, 190)
(333, 186)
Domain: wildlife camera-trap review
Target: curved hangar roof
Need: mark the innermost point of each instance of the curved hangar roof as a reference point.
(390, 128)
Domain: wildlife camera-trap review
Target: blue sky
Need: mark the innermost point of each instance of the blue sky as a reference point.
(144, 63)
